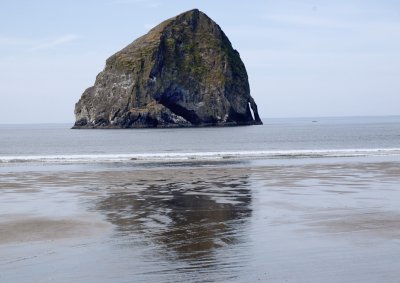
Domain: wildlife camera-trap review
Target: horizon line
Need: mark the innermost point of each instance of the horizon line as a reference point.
(262, 118)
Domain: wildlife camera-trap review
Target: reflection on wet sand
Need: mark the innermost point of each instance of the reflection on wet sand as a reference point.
(219, 223)
(186, 217)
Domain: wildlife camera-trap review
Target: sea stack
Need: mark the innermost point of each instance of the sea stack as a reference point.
(182, 73)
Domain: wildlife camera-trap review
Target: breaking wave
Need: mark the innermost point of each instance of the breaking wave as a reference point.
(200, 156)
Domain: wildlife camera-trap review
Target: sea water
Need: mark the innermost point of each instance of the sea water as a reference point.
(277, 138)
(293, 200)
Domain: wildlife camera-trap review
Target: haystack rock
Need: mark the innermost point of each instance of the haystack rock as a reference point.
(182, 73)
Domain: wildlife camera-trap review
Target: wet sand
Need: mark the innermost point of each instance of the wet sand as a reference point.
(27, 229)
(220, 222)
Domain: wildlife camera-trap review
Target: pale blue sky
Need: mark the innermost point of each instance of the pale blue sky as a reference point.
(304, 58)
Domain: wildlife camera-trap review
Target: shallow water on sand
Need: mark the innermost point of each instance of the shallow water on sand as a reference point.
(336, 221)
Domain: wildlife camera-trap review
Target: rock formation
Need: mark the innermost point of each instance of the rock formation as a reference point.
(182, 73)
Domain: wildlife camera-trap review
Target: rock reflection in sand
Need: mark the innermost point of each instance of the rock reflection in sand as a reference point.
(184, 218)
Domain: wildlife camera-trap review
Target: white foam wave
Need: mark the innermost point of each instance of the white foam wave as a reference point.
(199, 156)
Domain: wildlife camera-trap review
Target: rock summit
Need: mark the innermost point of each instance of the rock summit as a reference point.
(182, 73)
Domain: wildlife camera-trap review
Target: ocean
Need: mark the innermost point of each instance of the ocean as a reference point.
(277, 138)
(293, 200)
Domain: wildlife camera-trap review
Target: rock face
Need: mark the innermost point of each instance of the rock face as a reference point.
(183, 73)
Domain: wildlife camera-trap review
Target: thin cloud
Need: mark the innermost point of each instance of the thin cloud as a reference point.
(308, 21)
(61, 40)
(15, 41)
(36, 44)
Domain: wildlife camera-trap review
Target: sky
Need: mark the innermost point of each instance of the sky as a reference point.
(304, 58)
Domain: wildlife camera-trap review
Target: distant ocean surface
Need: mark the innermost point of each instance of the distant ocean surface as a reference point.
(277, 138)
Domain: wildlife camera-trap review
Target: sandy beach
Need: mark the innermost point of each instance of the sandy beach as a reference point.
(217, 222)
